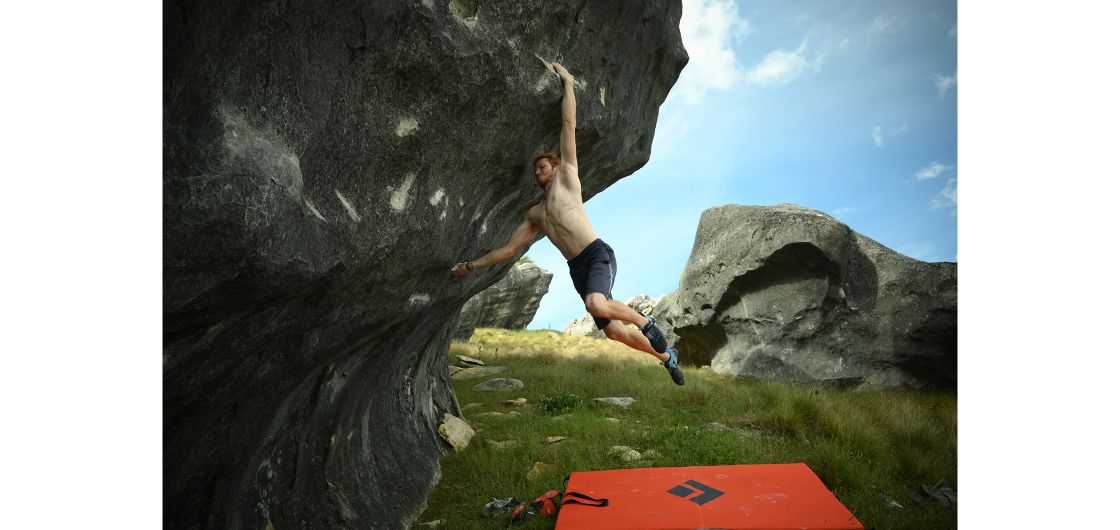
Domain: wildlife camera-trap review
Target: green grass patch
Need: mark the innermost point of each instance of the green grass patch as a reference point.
(557, 404)
(863, 445)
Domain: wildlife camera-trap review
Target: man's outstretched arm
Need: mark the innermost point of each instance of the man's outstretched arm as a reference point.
(521, 237)
(568, 127)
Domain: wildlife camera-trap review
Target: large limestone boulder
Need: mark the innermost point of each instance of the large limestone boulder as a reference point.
(509, 304)
(325, 165)
(585, 325)
(790, 294)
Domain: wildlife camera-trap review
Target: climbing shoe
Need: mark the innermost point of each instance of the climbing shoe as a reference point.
(671, 365)
(653, 333)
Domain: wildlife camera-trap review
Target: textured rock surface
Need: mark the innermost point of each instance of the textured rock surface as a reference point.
(325, 164)
(623, 402)
(500, 384)
(509, 304)
(456, 431)
(788, 293)
(478, 372)
(585, 325)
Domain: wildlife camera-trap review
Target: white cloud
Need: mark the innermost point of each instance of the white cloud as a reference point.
(947, 198)
(953, 31)
(944, 84)
(843, 210)
(933, 170)
(780, 67)
(708, 29)
(884, 25)
(880, 139)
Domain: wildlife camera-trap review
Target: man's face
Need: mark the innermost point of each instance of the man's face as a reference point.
(543, 170)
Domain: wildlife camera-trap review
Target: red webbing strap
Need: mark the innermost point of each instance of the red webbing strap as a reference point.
(579, 498)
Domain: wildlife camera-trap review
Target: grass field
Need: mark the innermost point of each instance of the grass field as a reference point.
(865, 446)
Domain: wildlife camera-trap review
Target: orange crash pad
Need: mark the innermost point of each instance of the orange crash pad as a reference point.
(758, 496)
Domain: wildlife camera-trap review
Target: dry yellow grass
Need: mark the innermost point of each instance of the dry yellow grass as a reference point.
(551, 346)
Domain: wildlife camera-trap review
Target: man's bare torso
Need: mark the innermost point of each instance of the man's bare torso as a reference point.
(561, 215)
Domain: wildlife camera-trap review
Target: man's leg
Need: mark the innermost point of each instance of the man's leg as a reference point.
(619, 332)
(598, 305)
(601, 307)
(633, 338)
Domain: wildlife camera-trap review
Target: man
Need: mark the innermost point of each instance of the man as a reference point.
(591, 261)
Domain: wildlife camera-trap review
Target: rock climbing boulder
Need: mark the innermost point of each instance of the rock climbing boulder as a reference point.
(325, 163)
(509, 304)
(787, 293)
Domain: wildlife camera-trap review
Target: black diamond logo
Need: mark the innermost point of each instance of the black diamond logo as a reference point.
(707, 493)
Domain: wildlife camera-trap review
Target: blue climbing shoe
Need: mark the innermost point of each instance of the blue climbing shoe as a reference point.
(671, 365)
(653, 333)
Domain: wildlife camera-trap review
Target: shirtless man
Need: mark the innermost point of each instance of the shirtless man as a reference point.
(591, 261)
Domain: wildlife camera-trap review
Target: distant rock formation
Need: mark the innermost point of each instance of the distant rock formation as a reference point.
(585, 325)
(788, 293)
(325, 164)
(509, 304)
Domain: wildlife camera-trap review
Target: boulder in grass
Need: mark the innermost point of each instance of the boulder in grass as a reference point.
(467, 362)
(478, 372)
(500, 384)
(623, 402)
(788, 293)
(509, 304)
(456, 431)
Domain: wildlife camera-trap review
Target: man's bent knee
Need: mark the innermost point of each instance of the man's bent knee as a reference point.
(596, 305)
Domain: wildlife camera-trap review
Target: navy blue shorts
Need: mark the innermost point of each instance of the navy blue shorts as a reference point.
(593, 272)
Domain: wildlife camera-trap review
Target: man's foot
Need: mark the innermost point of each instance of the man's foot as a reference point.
(653, 333)
(671, 365)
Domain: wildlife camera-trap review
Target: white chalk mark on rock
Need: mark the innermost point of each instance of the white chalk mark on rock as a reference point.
(603, 95)
(399, 199)
(544, 81)
(421, 298)
(313, 209)
(465, 12)
(346, 204)
(407, 126)
(436, 197)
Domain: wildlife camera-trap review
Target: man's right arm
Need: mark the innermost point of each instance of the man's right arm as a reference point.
(521, 238)
(570, 175)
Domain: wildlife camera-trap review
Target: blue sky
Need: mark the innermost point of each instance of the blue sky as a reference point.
(846, 107)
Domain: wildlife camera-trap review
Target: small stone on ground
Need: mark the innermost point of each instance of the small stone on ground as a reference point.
(616, 401)
(539, 469)
(467, 362)
(477, 372)
(500, 384)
